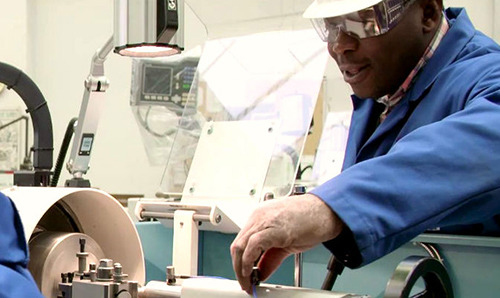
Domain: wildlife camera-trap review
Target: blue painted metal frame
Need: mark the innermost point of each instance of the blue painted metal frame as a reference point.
(473, 262)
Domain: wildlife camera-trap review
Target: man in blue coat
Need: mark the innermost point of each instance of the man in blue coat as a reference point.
(15, 279)
(424, 142)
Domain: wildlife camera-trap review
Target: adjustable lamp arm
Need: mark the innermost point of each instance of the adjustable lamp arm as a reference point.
(93, 99)
(155, 22)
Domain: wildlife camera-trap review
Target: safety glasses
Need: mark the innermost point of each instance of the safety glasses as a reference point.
(373, 21)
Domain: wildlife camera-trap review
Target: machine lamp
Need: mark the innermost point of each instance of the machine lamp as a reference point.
(147, 28)
(142, 28)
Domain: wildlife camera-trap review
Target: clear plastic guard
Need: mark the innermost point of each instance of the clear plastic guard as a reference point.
(248, 114)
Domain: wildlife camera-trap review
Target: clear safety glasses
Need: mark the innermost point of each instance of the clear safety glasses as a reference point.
(373, 21)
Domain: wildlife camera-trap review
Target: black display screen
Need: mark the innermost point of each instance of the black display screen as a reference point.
(86, 144)
(158, 80)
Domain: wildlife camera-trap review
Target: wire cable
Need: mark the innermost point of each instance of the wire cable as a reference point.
(64, 149)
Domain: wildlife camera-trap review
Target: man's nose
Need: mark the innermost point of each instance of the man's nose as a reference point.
(343, 43)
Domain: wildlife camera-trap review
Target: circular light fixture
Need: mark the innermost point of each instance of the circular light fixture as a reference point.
(148, 50)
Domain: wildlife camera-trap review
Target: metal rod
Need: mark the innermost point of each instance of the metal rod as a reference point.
(297, 280)
(150, 214)
(102, 53)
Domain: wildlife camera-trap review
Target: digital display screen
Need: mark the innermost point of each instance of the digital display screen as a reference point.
(86, 144)
(157, 80)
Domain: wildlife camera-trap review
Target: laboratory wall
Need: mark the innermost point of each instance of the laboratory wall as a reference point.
(13, 50)
(53, 41)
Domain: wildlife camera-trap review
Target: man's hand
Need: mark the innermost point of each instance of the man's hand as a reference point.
(278, 228)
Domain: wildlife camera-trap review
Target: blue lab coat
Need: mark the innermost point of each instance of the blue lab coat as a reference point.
(434, 161)
(15, 279)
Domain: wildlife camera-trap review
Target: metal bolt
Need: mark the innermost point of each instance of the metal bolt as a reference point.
(82, 244)
(252, 191)
(218, 218)
(117, 275)
(210, 130)
(268, 196)
(92, 266)
(105, 263)
(191, 189)
(105, 270)
(118, 268)
(270, 129)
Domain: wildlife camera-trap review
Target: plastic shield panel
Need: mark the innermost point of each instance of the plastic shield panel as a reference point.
(243, 86)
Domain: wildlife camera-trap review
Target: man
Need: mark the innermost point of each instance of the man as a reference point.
(15, 279)
(423, 148)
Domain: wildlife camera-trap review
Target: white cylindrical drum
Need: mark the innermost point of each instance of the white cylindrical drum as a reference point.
(54, 219)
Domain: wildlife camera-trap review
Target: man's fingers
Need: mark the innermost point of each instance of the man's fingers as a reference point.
(257, 244)
(237, 249)
(270, 261)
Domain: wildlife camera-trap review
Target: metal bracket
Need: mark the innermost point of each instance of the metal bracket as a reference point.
(188, 219)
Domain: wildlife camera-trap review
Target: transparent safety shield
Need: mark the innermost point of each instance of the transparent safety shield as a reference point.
(249, 109)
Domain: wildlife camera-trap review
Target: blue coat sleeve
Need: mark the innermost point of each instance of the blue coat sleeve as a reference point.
(15, 279)
(441, 174)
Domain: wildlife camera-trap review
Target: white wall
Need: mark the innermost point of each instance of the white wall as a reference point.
(54, 40)
(13, 44)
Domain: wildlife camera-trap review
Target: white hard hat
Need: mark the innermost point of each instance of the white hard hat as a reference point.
(333, 8)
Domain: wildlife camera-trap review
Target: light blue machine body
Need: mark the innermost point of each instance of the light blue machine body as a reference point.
(472, 262)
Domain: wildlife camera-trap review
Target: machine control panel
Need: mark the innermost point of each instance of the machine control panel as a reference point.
(168, 83)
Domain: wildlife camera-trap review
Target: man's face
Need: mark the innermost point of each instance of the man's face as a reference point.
(377, 66)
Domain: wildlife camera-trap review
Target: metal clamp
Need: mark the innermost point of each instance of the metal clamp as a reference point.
(436, 279)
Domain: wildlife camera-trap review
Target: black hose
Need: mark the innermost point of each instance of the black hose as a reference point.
(36, 105)
(335, 269)
(64, 149)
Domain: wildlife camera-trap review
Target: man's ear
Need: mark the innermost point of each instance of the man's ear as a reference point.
(432, 13)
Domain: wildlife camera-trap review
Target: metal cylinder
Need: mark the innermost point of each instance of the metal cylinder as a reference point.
(82, 261)
(171, 275)
(92, 275)
(297, 281)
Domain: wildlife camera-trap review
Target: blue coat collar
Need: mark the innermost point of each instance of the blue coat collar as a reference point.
(460, 33)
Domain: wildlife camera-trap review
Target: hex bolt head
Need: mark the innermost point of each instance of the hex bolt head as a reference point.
(105, 263)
